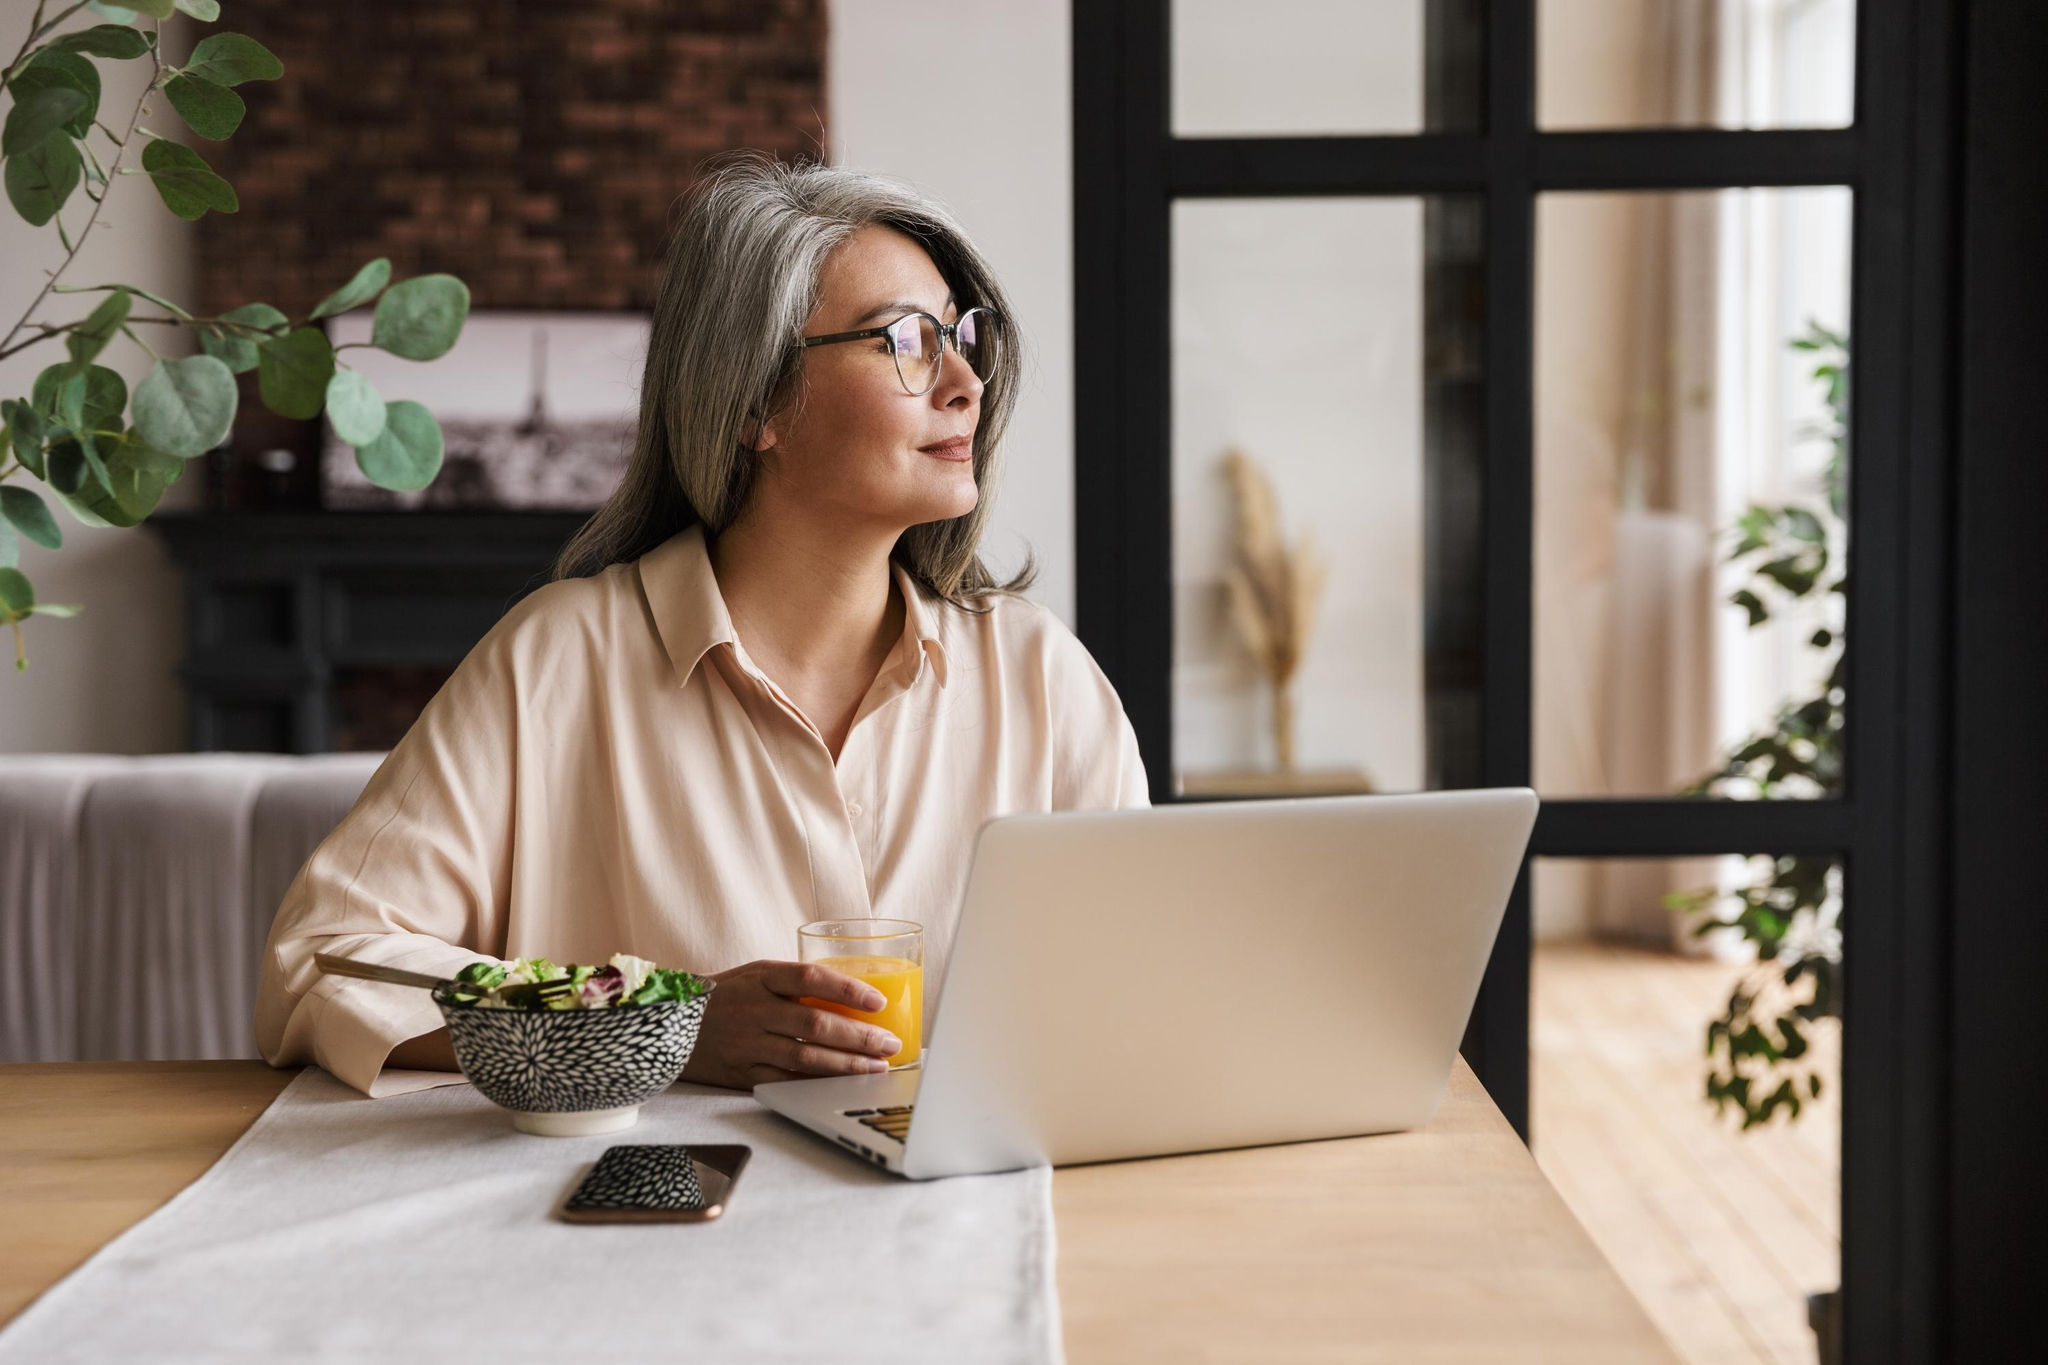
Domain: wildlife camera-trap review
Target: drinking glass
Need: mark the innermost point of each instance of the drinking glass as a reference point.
(887, 954)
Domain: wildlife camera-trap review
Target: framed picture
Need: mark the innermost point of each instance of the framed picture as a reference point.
(538, 411)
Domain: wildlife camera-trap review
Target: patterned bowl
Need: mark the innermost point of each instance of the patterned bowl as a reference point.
(570, 1073)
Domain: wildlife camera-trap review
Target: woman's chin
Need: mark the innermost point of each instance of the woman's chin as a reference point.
(944, 504)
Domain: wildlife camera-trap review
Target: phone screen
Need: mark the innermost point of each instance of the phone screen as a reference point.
(658, 1182)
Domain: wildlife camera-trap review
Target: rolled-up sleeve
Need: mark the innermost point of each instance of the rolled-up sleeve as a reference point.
(416, 875)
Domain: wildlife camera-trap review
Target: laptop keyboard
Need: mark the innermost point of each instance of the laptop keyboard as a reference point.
(891, 1122)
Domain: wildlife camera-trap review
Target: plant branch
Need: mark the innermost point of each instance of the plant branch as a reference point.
(37, 28)
(156, 60)
(49, 330)
(139, 341)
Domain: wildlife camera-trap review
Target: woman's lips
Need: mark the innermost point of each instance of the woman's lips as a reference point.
(959, 449)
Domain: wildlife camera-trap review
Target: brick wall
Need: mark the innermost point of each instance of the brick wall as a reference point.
(534, 149)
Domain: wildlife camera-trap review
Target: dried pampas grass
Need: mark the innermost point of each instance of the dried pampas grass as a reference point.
(1272, 591)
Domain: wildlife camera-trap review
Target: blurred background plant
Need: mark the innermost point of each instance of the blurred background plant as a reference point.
(1758, 1051)
(1273, 589)
(107, 456)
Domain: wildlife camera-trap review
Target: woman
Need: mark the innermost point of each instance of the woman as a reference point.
(771, 683)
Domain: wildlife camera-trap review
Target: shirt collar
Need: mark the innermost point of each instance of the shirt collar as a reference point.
(689, 611)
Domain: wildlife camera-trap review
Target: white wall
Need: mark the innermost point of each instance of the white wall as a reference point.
(990, 137)
(1297, 337)
(107, 679)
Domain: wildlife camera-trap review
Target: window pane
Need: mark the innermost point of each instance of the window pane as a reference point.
(1691, 468)
(1722, 1230)
(1694, 63)
(1293, 67)
(1331, 344)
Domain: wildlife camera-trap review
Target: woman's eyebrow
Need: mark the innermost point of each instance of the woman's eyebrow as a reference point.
(898, 307)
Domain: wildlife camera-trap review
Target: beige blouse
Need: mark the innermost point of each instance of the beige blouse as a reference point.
(608, 771)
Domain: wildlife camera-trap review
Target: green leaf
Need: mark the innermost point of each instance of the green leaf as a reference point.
(41, 179)
(136, 477)
(365, 286)
(39, 110)
(1751, 603)
(54, 68)
(231, 58)
(209, 108)
(155, 9)
(205, 11)
(106, 393)
(188, 185)
(292, 373)
(237, 351)
(1805, 526)
(25, 429)
(408, 454)
(30, 515)
(71, 400)
(1790, 574)
(421, 318)
(10, 546)
(120, 14)
(186, 407)
(106, 40)
(355, 408)
(17, 594)
(90, 337)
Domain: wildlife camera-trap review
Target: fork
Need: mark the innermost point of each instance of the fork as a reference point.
(525, 994)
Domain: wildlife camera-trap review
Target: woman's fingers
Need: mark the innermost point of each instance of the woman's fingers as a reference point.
(755, 1031)
(821, 983)
(812, 1060)
(832, 1030)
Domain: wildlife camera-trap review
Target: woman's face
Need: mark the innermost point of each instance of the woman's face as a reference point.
(860, 447)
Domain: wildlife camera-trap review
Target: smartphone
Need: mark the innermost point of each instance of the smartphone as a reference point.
(651, 1182)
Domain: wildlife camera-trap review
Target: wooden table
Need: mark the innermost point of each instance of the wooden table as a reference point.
(1445, 1244)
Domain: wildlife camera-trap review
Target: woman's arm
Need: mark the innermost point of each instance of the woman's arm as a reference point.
(416, 875)
(1096, 763)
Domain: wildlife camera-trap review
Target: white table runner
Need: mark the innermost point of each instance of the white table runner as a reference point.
(422, 1226)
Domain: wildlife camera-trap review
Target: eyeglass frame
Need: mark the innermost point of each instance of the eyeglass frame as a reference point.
(949, 338)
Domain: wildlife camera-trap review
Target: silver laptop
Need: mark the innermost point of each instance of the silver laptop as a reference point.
(1140, 982)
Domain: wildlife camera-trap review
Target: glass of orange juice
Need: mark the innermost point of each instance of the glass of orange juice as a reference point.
(887, 954)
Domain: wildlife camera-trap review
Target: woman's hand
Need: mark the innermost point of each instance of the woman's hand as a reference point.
(755, 1029)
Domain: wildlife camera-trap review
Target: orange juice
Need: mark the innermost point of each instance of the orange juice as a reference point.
(901, 983)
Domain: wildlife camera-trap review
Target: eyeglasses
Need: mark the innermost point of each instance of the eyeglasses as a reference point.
(918, 341)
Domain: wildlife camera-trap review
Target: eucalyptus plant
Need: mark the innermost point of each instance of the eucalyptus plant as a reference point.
(1759, 1050)
(107, 456)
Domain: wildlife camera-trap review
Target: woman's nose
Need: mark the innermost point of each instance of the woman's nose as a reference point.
(957, 380)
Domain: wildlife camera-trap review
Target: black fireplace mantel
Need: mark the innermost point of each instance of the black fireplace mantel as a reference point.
(291, 615)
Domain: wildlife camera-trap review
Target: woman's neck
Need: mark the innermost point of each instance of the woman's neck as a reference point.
(807, 602)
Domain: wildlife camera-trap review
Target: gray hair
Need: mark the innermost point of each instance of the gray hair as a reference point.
(740, 282)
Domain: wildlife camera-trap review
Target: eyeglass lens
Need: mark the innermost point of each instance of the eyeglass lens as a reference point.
(916, 346)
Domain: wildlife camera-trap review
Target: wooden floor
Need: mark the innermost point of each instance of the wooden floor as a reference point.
(1721, 1234)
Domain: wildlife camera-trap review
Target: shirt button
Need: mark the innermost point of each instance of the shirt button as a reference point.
(853, 808)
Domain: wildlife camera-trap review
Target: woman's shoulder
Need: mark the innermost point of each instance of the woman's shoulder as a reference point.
(564, 623)
(1020, 633)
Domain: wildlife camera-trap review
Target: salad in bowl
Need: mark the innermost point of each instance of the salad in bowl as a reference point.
(537, 983)
(572, 1050)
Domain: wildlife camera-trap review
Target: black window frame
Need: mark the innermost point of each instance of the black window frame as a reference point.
(1887, 827)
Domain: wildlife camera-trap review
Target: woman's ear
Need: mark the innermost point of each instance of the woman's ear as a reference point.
(758, 435)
